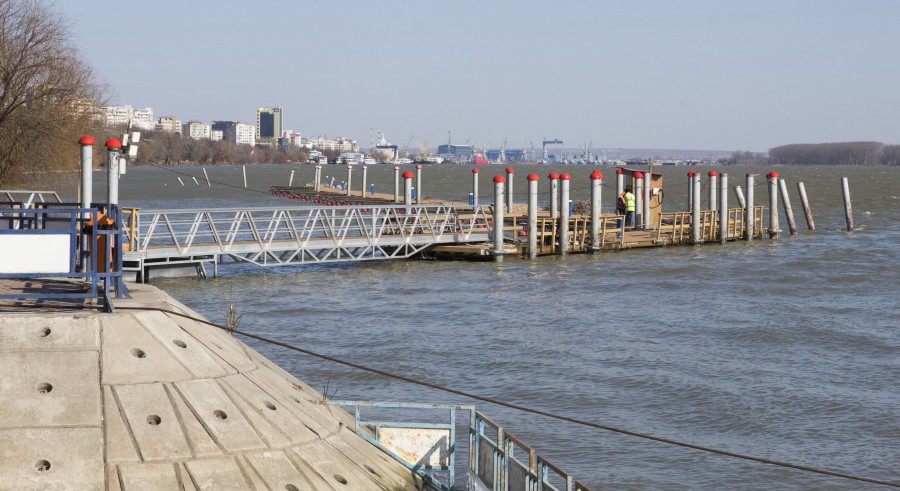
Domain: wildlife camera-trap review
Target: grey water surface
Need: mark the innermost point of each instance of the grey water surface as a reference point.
(787, 349)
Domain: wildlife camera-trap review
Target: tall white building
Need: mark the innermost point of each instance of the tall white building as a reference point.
(142, 119)
(196, 130)
(245, 133)
(117, 115)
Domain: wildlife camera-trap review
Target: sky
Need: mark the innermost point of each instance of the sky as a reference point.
(713, 75)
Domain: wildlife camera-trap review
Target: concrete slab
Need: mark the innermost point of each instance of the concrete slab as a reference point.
(52, 458)
(278, 471)
(34, 391)
(132, 356)
(268, 407)
(152, 421)
(220, 416)
(188, 351)
(119, 445)
(271, 434)
(216, 474)
(200, 441)
(61, 332)
(218, 342)
(373, 461)
(331, 465)
(148, 477)
(313, 415)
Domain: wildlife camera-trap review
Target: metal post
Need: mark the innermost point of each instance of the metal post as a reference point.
(418, 184)
(723, 209)
(564, 214)
(554, 195)
(112, 171)
(509, 189)
(596, 182)
(788, 212)
(848, 210)
(713, 186)
(475, 187)
(208, 184)
(695, 209)
(773, 204)
(87, 168)
(244, 168)
(407, 187)
(690, 176)
(749, 219)
(349, 179)
(396, 184)
(362, 190)
(638, 200)
(809, 218)
(498, 218)
(646, 215)
(532, 215)
(318, 182)
(620, 185)
(291, 180)
(739, 193)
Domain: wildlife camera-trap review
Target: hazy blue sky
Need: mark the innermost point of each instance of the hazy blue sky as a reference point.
(721, 75)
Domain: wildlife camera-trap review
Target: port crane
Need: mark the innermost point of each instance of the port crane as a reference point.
(549, 142)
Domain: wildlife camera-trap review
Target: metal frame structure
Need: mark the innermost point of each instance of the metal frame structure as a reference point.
(296, 235)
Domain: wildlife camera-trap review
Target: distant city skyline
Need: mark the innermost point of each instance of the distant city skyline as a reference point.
(645, 74)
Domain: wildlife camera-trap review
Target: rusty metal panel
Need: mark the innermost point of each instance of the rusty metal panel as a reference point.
(486, 461)
(418, 446)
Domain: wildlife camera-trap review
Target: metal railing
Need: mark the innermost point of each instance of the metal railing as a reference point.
(496, 459)
(291, 235)
(62, 241)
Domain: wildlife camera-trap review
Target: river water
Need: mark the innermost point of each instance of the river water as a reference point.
(786, 349)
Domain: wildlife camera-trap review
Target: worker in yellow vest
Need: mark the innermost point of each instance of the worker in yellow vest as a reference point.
(629, 207)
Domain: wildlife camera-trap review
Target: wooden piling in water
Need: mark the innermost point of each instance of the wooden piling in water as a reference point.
(806, 210)
(772, 178)
(208, 184)
(788, 212)
(848, 209)
(723, 209)
(748, 210)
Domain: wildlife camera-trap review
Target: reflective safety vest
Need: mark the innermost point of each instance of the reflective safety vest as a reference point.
(629, 202)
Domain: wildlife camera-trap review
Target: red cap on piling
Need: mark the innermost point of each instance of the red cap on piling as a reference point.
(772, 174)
(691, 173)
(553, 175)
(396, 167)
(618, 170)
(596, 175)
(475, 170)
(418, 166)
(408, 174)
(565, 176)
(113, 143)
(365, 167)
(533, 177)
(499, 178)
(713, 173)
(510, 170)
(87, 140)
(638, 175)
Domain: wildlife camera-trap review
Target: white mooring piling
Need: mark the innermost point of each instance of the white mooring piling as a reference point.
(208, 183)
(648, 176)
(180, 181)
(620, 186)
(349, 180)
(723, 209)
(739, 193)
(596, 183)
(396, 184)
(362, 190)
(848, 210)
(772, 178)
(532, 215)
(788, 211)
(695, 209)
(244, 168)
(749, 218)
(475, 187)
(87, 143)
(407, 187)
(690, 190)
(713, 187)
(638, 200)
(291, 180)
(318, 182)
(554, 195)
(195, 180)
(418, 184)
(509, 189)
(563, 227)
(112, 170)
(498, 217)
(806, 210)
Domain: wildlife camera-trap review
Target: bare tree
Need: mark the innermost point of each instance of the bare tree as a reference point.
(48, 95)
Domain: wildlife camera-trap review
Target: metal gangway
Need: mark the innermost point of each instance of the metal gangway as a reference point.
(293, 235)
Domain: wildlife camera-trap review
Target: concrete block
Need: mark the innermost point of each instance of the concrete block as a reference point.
(52, 458)
(333, 467)
(152, 421)
(266, 406)
(49, 389)
(119, 447)
(198, 438)
(277, 470)
(132, 356)
(271, 435)
(219, 342)
(220, 416)
(181, 345)
(313, 415)
(64, 332)
(148, 477)
(392, 474)
(216, 474)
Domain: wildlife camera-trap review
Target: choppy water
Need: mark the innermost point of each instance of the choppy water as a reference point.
(786, 349)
